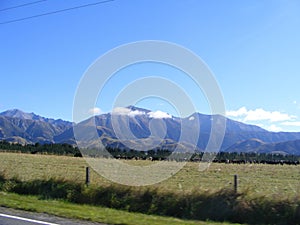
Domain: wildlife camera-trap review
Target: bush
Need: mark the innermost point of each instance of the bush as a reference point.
(224, 205)
(2, 180)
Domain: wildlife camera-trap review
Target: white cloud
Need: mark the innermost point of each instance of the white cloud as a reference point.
(127, 112)
(121, 111)
(159, 115)
(136, 113)
(269, 120)
(260, 115)
(273, 128)
(237, 113)
(133, 113)
(291, 123)
(191, 118)
(94, 111)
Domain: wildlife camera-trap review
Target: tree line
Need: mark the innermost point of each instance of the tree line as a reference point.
(220, 157)
(154, 155)
(51, 148)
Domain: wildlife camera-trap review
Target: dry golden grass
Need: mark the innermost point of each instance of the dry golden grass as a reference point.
(255, 179)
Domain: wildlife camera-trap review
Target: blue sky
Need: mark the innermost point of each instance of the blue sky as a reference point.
(252, 47)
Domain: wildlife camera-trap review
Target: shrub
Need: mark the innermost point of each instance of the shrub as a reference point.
(224, 205)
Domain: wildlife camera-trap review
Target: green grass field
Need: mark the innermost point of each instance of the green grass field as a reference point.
(91, 213)
(272, 181)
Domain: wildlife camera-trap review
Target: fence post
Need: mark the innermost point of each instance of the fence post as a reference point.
(87, 175)
(235, 183)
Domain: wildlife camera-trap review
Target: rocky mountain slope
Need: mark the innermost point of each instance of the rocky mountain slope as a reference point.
(258, 146)
(18, 126)
(136, 128)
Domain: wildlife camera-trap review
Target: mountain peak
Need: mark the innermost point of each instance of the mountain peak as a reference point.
(16, 113)
(134, 108)
(19, 114)
(13, 111)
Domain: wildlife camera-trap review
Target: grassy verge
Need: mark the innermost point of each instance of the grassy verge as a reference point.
(224, 205)
(87, 212)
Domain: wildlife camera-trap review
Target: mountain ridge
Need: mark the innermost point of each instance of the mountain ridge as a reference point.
(17, 113)
(136, 126)
(21, 127)
(258, 146)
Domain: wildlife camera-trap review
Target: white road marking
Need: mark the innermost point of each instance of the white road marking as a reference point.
(27, 220)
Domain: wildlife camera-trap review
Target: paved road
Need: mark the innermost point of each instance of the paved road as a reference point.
(18, 217)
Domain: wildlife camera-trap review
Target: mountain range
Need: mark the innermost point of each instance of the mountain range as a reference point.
(140, 129)
(21, 127)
